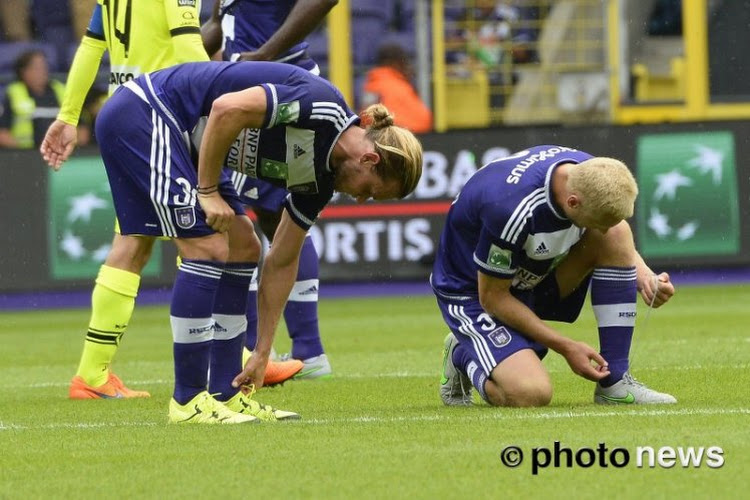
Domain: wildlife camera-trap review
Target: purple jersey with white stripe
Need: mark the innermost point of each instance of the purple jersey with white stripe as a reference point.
(305, 116)
(248, 24)
(504, 223)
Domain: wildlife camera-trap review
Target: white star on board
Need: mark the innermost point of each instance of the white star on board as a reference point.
(82, 206)
(708, 161)
(668, 184)
(101, 253)
(72, 246)
(687, 231)
(659, 223)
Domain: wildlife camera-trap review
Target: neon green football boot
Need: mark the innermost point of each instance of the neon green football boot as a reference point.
(204, 409)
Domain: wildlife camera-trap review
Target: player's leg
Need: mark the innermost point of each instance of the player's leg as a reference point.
(609, 259)
(230, 323)
(112, 303)
(156, 198)
(202, 262)
(229, 309)
(503, 365)
(301, 316)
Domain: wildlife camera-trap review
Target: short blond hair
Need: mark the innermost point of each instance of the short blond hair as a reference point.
(606, 187)
(400, 151)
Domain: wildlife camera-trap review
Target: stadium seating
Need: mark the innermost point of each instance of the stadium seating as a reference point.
(53, 25)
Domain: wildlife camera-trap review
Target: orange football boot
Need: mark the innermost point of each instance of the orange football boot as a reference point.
(113, 388)
(278, 372)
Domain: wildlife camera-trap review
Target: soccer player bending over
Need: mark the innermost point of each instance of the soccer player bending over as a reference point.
(275, 122)
(258, 30)
(523, 242)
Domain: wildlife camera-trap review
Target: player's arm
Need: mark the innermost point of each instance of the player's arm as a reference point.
(304, 17)
(230, 113)
(650, 283)
(183, 19)
(496, 299)
(61, 137)
(211, 31)
(277, 278)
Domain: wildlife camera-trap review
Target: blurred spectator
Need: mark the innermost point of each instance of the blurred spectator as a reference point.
(389, 83)
(504, 24)
(15, 20)
(31, 102)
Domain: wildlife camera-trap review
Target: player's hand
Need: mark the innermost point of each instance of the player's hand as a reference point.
(219, 215)
(58, 144)
(579, 357)
(253, 373)
(657, 289)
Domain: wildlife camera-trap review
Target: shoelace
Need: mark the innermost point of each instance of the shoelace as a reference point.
(644, 324)
(257, 407)
(217, 406)
(629, 379)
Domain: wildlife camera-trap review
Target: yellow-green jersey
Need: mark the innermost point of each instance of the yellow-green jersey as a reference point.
(140, 36)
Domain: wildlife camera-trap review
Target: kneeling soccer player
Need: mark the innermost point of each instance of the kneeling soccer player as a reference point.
(523, 242)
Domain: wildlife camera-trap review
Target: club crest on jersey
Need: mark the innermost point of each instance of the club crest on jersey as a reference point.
(499, 259)
(185, 217)
(186, 3)
(500, 337)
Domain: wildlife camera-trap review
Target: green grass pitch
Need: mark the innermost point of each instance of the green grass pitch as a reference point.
(377, 429)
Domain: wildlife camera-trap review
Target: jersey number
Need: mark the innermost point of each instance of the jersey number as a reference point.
(187, 198)
(112, 13)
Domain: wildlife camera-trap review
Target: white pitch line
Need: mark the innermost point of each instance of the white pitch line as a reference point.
(470, 416)
(500, 415)
(400, 374)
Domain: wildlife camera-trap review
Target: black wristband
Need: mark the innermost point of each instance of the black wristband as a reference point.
(207, 190)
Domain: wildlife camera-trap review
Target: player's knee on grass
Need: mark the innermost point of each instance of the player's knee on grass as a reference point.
(520, 380)
(520, 393)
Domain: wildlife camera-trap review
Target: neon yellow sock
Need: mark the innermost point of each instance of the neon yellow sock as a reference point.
(112, 303)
